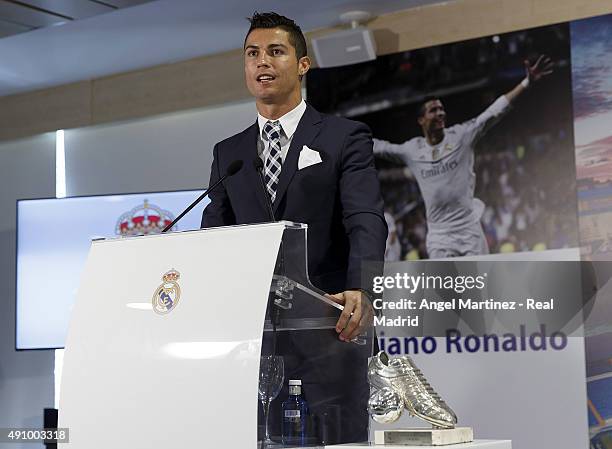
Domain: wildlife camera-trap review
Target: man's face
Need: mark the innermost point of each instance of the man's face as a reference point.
(271, 68)
(434, 118)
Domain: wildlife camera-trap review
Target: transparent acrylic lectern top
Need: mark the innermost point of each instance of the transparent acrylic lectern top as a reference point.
(299, 304)
(300, 343)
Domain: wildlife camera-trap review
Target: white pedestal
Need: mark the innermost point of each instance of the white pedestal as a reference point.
(476, 444)
(423, 436)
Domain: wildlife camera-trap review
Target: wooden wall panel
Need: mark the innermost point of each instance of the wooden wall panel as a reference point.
(189, 84)
(45, 110)
(217, 79)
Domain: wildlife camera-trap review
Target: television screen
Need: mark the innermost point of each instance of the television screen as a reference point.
(53, 238)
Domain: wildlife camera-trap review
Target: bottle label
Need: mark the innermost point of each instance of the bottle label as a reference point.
(292, 413)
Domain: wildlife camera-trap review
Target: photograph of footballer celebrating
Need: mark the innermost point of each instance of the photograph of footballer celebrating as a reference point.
(442, 163)
(464, 170)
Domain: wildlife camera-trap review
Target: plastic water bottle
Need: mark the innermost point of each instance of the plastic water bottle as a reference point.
(295, 411)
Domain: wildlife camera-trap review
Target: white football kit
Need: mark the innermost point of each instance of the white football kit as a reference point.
(445, 174)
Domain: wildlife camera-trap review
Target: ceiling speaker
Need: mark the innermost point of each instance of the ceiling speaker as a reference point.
(345, 47)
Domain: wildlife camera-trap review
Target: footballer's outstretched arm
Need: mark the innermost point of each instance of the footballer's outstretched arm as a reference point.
(393, 152)
(534, 73)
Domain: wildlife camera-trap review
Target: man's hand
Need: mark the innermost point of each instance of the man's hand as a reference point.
(356, 316)
(542, 67)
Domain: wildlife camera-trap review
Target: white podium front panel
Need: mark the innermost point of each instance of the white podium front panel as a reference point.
(134, 378)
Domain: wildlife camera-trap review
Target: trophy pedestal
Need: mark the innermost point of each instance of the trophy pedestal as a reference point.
(424, 437)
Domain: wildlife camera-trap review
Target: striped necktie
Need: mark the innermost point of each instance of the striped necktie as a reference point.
(272, 157)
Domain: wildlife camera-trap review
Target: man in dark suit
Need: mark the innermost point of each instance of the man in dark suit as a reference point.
(318, 170)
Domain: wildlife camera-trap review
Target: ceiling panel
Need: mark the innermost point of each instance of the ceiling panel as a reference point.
(76, 9)
(124, 3)
(8, 28)
(22, 15)
(157, 32)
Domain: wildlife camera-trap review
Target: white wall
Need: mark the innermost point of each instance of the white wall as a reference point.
(27, 169)
(170, 152)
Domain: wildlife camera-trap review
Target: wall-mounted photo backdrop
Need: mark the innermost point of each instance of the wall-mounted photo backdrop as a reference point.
(533, 171)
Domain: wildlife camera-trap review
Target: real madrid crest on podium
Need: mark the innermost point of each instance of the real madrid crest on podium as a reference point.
(168, 294)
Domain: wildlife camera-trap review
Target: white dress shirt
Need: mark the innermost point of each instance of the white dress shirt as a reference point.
(289, 122)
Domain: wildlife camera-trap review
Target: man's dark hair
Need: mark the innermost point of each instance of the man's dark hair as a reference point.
(273, 20)
(426, 100)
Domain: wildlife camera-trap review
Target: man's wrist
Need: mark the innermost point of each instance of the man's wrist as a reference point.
(525, 82)
(367, 293)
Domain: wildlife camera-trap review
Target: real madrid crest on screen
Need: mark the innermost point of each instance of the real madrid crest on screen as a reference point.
(144, 219)
(168, 294)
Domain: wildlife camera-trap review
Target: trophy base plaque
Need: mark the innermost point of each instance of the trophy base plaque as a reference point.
(424, 437)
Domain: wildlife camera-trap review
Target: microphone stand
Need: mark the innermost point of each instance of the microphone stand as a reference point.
(272, 307)
(232, 169)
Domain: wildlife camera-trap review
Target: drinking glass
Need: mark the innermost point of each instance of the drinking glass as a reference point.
(271, 377)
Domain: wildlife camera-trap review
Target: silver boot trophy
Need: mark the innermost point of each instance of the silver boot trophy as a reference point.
(397, 384)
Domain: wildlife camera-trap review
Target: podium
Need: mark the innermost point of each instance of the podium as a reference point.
(166, 335)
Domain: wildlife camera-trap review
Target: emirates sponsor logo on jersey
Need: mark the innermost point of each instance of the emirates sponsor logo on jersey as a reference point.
(439, 169)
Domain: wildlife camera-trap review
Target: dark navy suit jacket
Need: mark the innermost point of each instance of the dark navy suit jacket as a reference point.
(338, 198)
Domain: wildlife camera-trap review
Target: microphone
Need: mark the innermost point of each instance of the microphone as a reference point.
(258, 164)
(232, 169)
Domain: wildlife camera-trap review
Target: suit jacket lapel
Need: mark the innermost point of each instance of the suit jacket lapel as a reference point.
(249, 145)
(307, 130)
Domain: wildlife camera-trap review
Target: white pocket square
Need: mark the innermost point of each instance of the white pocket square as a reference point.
(308, 157)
